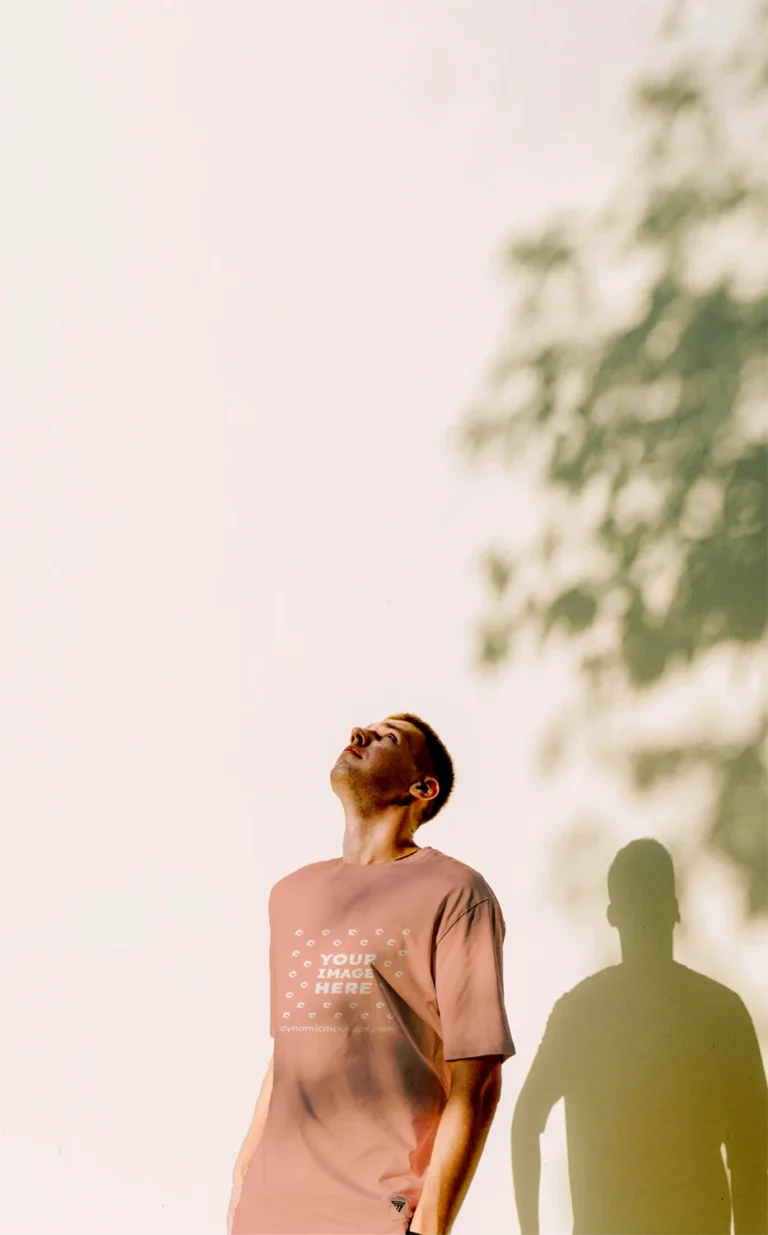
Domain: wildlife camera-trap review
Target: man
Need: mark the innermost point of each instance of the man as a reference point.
(659, 1067)
(387, 1010)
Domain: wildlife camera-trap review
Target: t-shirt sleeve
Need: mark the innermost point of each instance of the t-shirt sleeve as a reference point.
(469, 984)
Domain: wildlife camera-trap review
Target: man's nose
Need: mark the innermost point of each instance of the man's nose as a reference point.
(360, 737)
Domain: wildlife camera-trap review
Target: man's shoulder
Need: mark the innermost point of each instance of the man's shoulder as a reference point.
(456, 877)
(461, 890)
(308, 872)
(463, 877)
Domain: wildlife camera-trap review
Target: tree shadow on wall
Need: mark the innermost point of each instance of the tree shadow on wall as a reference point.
(647, 432)
(660, 1070)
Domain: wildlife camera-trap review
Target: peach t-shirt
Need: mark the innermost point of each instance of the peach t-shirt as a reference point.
(379, 975)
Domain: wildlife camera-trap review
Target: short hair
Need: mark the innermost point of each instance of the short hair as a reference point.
(439, 760)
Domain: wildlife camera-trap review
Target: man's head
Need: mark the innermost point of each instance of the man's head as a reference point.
(399, 761)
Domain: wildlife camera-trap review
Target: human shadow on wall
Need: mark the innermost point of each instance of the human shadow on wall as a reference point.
(659, 1067)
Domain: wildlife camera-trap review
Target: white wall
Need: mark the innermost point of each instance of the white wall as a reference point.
(248, 287)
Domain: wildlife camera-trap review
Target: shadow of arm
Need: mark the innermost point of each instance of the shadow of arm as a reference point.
(543, 1088)
(746, 1136)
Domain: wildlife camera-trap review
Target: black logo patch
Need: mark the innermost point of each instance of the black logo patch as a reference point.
(398, 1201)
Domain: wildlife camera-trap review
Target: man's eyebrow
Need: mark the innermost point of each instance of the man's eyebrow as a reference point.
(387, 724)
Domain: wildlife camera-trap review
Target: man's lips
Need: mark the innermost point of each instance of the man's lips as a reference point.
(352, 750)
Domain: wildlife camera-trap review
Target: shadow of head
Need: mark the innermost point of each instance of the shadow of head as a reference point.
(641, 890)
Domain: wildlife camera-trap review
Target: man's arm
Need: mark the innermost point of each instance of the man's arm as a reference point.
(250, 1144)
(259, 1118)
(459, 1142)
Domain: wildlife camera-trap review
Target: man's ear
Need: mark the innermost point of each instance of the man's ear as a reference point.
(427, 789)
(611, 914)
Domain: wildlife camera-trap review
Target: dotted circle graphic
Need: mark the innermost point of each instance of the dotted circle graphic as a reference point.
(399, 950)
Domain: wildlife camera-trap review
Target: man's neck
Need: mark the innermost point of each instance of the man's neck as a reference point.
(368, 853)
(377, 836)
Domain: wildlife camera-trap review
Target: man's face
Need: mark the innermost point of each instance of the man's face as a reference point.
(382, 761)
